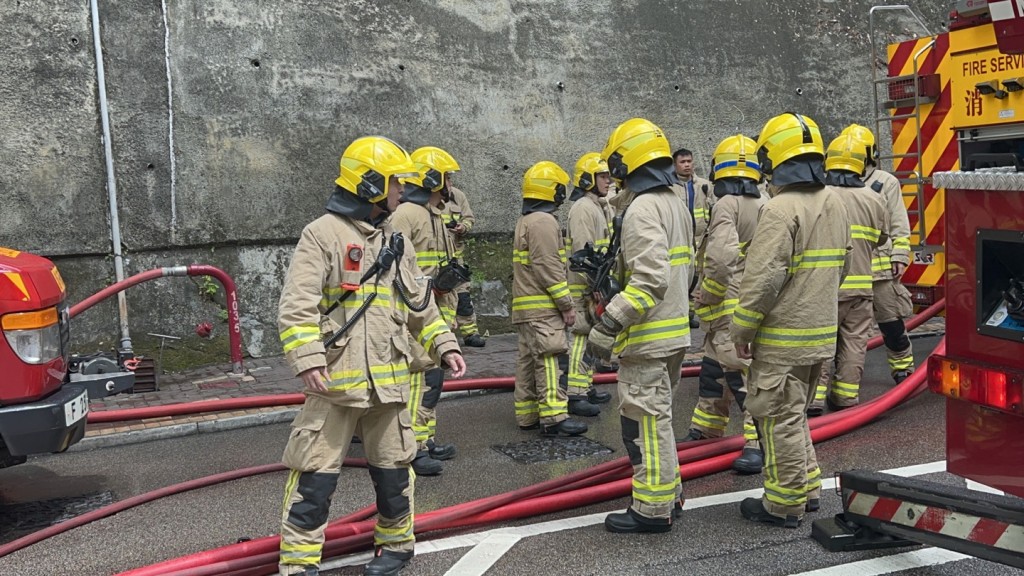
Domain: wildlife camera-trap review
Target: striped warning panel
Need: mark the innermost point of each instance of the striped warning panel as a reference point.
(937, 143)
(959, 525)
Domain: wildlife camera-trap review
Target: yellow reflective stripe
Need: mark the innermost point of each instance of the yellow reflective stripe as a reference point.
(814, 479)
(526, 408)
(601, 242)
(652, 493)
(701, 212)
(725, 308)
(296, 336)
(638, 299)
(820, 391)
(389, 374)
(447, 314)
(430, 331)
(559, 290)
(856, 283)
(577, 290)
(360, 296)
(897, 364)
(300, 553)
(901, 243)
(402, 533)
(539, 302)
(429, 258)
(347, 380)
(562, 256)
(858, 232)
(796, 337)
(551, 406)
(708, 420)
(289, 486)
(577, 353)
(521, 257)
(679, 255)
(880, 264)
(712, 287)
(652, 332)
(749, 431)
(746, 318)
(743, 248)
(651, 462)
(824, 258)
(846, 389)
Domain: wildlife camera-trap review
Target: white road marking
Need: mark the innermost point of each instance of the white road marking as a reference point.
(972, 485)
(479, 560)
(468, 540)
(890, 564)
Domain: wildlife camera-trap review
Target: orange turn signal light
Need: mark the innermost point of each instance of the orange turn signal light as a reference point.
(30, 320)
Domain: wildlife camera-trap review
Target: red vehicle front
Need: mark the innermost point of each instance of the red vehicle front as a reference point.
(38, 412)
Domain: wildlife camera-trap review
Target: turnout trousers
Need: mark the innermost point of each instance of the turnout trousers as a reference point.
(778, 398)
(318, 442)
(851, 347)
(537, 395)
(722, 378)
(892, 304)
(646, 386)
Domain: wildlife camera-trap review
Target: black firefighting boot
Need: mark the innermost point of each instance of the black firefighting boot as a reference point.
(440, 451)
(595, 397)
(387, 562)
(836, 407)
(901, 375)
(815, 410)
(751, 461)
(753, 509)
(567, 427)
(424, 465)
(677, 509)
(474, 341)
(308, 571)
(630, 522)
(813, 504)
(579, 406)
(603, 368)
(694, 321)
(693, 436)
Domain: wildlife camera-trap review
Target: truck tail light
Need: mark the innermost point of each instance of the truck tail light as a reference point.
(977, 383)
(34, 336)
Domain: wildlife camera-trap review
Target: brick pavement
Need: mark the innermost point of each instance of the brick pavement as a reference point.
(268, 376)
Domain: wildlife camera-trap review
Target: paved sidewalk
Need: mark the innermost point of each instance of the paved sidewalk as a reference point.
(267, 376)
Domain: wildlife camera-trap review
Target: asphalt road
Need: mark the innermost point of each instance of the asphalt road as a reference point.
(711, 538)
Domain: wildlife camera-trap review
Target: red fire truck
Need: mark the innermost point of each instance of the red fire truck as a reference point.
(44, 391)
(965, 93)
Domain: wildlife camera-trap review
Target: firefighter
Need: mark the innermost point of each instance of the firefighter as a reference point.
(541, 305)
(590, 222)
(785, 320)
(458, 219)
(736, 176)
(891, 298)
(869, 228)
(699, 199)
(347, 279)
(418, 218)
(647, 324)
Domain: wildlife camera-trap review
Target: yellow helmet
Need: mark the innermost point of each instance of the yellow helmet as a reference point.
(865, 138)
(736, 157)
(845, 153)
(585, 174)
(545, 181)
(367, 165)
(634, 143)
(787, 136)
(426, 177)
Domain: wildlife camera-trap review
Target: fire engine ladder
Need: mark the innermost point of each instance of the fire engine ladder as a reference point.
(913, 180)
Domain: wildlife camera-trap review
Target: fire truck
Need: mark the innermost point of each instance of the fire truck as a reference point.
(956, 103)
(44, 390)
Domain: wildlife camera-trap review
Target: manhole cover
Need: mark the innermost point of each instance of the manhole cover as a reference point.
(16, 520)
(552, 449)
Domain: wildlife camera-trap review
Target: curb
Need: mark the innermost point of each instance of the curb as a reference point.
(187, 429)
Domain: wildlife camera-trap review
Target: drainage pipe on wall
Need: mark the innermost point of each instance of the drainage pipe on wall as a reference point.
(108, 156)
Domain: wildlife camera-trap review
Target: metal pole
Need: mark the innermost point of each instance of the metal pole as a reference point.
(115, 223)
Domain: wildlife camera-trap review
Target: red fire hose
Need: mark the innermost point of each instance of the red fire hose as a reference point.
(234, 327)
